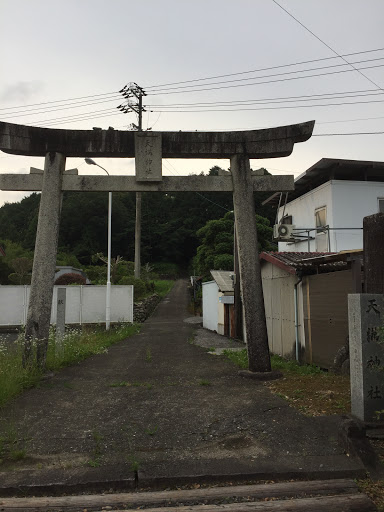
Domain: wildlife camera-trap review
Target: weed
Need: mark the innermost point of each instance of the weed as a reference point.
(204, 382)
(95, 462)
(148, 355)
(11, 446)
(120, 384)
(17, 454)
(134, 463)
(147, 385)
(211, 349)
(238, 357)
(76, 345)
(151, 431)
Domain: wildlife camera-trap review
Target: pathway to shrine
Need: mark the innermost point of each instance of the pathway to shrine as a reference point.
(160, 404)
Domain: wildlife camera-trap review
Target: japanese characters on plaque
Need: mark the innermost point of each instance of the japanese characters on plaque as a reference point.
(366, 347)
(148, 156)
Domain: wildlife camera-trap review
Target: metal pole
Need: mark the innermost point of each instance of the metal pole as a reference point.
(138, 236)
(138, 207)
(108, 297)
(108, 291)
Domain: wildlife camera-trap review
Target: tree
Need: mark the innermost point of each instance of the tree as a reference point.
(216, 249)
(22, 267)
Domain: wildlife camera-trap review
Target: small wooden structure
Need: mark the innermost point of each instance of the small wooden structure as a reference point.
(218, 303)
(306, 302)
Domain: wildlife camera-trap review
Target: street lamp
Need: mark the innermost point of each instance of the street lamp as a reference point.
(108, 296)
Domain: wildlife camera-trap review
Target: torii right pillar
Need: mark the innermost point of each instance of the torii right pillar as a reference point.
(249, 263)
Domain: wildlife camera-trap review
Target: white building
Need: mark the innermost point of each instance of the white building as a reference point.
(334, 195)
(218, 299)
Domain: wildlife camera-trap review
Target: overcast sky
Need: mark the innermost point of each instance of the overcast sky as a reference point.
(85, 51)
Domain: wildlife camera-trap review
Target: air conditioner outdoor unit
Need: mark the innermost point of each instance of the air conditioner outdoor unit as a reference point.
(283, 231)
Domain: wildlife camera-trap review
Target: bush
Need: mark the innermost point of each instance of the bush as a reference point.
(141, 288)
(166, 270)
(70, 278)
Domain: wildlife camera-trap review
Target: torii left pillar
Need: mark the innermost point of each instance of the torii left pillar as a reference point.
(44, 262)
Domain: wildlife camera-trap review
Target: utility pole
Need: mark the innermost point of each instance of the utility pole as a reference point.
(130, 91)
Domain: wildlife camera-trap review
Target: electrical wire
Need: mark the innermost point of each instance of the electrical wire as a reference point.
(352, 94)
(325, 44)
(271, 75)
(116, 93)
(270, 108)
(266, 81)
(263, 69)
(198, 193)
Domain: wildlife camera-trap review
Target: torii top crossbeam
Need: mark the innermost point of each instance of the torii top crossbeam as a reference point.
(267, 143)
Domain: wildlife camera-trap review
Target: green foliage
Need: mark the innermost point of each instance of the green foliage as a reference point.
(75, 346)
(163, 287)
(64, 259)
(216, 249)
(240, 358)
(70, 278)
(170, 222)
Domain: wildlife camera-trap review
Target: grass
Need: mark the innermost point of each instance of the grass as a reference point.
(75, 346)
(12, 448)
(163, 287)
(148, 355)
(95, 462)
(306, 387)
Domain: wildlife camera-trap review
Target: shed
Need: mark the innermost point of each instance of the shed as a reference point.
(306, 302)
(218, 298)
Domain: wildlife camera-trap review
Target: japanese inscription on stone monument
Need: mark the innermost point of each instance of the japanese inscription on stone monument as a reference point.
(366, 314)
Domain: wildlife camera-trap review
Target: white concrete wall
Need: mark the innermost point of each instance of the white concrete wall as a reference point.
(210, 305)
(302, 210)
(84, 304)
(347, 202)
(352, 201)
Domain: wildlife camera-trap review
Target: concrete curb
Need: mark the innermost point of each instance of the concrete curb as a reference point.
(119, 479)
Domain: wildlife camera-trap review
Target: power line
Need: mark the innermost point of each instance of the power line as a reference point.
(269, 108)
(265, 81)
(37, 111)
(325, 44)
(270, 75)
(264, 69)
(365, 92)
(201, 195)
(59, 101)
(115, 93)
(342, 134)
(261, 102)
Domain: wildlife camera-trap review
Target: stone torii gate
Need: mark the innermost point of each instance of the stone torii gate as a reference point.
(148, 148)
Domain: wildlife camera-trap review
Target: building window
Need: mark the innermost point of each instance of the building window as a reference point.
(321, 219)
(287, 219)
(381, 204)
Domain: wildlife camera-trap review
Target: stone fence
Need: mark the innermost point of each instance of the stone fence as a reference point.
(142, 310)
